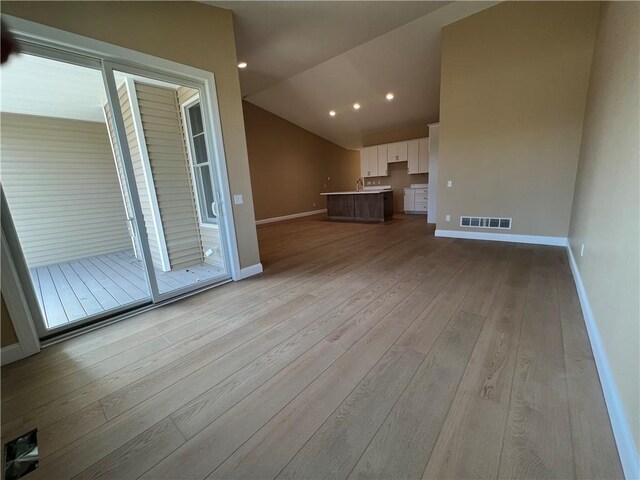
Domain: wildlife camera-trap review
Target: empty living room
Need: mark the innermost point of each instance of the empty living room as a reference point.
(320, 240)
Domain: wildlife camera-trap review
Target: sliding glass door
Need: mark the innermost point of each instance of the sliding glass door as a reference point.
(65, 194)
(112, 180)
(175, 177)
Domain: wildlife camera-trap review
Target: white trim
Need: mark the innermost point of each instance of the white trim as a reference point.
(621, 431)
(60, 39)
(504, 237)
(188, 140)
(132, 96)
(251, 270)
(127, 207)
(11, 353)
(289, 217)
(13, 294)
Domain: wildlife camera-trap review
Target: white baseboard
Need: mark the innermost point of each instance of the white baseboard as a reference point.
(11, 353)
(619, 424)
(289, 217)
(250, 271)
(504, 237)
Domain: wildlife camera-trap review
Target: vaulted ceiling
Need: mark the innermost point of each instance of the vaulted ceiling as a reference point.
(308, 58)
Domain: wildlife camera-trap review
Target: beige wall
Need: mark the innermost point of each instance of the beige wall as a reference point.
(513, 88)
(62, 188)
(398, 177)
(606, 206)
(7, 332)
(290, 166)
(190, 33)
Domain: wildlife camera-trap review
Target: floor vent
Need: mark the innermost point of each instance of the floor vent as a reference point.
(21, 456)
(486, 222)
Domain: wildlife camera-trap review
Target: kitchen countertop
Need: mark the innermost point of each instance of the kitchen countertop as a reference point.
(357, 193)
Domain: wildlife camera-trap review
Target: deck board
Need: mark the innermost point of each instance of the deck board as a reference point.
(52, 305)
(73, 290)
(104, 297)
(70, 302)
(88, 300)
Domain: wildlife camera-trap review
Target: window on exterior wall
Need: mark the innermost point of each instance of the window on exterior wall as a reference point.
(200, 164)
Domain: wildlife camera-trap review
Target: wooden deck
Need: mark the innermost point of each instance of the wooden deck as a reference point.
(71, 291)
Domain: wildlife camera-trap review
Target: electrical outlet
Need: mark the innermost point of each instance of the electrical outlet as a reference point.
(208, 253)
(314, 204)
(238, 200)
(449, 183)
(447, 218)
(582, 250)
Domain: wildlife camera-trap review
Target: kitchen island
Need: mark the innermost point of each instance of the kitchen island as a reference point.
(360, 206)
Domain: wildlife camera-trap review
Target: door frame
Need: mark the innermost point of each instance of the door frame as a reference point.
(60, 45)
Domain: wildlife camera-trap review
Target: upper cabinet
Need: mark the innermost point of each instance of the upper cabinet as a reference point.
(382, 160)
(397, 152)
(369, 162)
(423, 155)
(374, 160)
(418, 161)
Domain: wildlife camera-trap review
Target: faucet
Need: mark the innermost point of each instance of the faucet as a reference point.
(359, 183)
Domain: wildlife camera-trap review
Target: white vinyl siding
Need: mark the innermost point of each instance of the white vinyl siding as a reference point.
(209, 234)
(138, 168)
(62, 188)
(161, 122)
(121, 177)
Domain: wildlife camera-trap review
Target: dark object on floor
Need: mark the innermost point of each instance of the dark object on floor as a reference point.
(21, 456)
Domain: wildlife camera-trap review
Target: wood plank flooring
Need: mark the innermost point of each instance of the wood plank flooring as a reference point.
(71, 291)
(363, 351)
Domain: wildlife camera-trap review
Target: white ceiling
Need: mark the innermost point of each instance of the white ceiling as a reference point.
(279, 39)
(341, 53)
(33, 85)
(38, 86)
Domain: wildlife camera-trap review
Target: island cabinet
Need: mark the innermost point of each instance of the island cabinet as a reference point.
(341, 207)
(376, 206)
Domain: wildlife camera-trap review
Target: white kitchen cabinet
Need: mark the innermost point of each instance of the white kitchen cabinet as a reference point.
(397, 152)
(409, 199)
(418, 156)
(374, 160)
(382, 161)
(423, 155)
(412, 156)
(369, 162)
(416, 200)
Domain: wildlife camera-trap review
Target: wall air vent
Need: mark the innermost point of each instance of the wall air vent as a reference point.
(486, 222)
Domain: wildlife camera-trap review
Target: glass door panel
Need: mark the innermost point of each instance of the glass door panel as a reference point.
(64, 181)
(175, 179)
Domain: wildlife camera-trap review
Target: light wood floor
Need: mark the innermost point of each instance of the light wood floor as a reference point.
(363, 351)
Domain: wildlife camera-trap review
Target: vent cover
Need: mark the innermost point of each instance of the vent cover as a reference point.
(486, 222)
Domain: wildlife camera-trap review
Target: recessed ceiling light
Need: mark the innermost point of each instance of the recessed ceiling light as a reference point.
(356, 106)
(242, 65)
(389, 96)
(332, 113)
